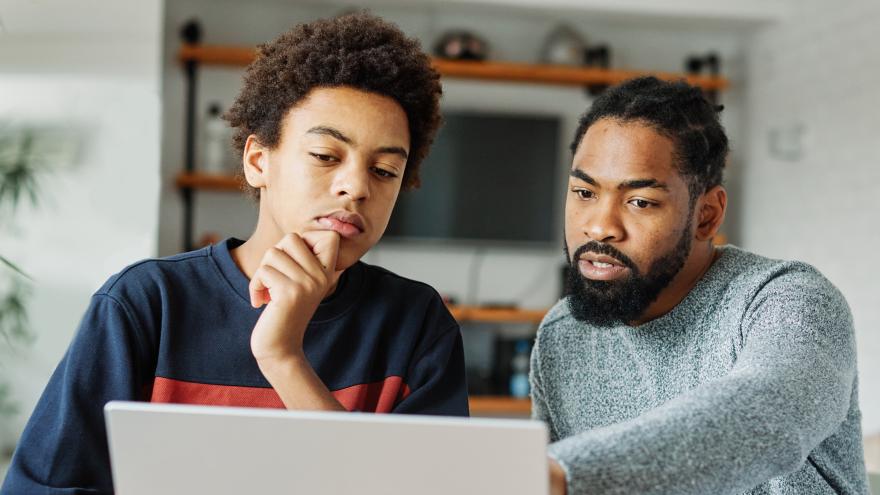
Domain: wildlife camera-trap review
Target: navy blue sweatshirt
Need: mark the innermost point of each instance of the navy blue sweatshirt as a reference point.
(178, 330)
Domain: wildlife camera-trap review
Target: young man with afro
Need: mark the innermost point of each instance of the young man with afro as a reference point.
(333, 121)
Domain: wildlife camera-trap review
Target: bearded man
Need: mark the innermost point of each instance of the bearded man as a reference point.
(673, 365)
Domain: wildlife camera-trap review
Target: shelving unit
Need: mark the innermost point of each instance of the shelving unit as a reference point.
(495, 405)
(488, 71)
(191, 55)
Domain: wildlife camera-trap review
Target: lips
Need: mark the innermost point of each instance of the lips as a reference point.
(345, 223)
(601, 259)
(601, 267)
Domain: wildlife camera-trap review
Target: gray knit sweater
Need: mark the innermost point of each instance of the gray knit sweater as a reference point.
(747, 386)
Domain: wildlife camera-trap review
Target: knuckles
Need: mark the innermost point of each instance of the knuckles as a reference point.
(290, 240)
(285, 288)
(273, 255)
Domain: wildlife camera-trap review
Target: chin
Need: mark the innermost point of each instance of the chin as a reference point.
(347, 258)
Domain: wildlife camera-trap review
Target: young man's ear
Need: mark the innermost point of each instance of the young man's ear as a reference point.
(712, 206)
(255, 159)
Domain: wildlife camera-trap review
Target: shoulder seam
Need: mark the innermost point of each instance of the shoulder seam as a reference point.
(182, 257)
(139, 332)
(554, 318)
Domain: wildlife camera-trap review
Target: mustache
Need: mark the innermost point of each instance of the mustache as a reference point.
(607, 250)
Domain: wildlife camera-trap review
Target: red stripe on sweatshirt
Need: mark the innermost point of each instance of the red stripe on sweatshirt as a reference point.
(379, 396)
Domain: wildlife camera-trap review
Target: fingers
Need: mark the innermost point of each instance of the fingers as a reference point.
(264, 279)
(294, 265)
(294, 257)
(325, 246)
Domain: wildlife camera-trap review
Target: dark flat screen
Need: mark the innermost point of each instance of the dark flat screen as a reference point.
(488, 177)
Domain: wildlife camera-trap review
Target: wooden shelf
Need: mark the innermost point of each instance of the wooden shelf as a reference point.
(211, 182)
(497, 315)
(560, 74)
(490, 71)
(236, 56)
(494, 404)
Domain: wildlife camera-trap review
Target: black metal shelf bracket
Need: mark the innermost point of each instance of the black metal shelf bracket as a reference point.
(191, 33)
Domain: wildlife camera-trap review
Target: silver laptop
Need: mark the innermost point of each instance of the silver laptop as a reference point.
(177, 449)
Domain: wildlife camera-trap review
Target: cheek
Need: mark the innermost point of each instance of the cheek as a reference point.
(289, 190)
(652, 241)
(382, 207)
(574, 223)
(572, 240)
(297, 187)
(571, 207)
(286, 181)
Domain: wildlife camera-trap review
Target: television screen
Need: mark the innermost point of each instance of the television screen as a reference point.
(488, 177)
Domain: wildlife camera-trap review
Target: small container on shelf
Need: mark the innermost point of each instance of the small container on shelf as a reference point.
(216, 150)
(519, 379)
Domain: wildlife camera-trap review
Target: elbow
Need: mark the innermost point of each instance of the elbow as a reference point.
(785, 448)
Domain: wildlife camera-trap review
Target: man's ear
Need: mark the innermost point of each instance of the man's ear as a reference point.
(255, 160)
(712, 206)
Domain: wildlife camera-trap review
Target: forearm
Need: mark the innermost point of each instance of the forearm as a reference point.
(293, 277)
(299, 387)
(720, 438)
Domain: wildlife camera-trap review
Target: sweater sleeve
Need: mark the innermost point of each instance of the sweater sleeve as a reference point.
(63, 449)
(789, 389)
(540, 410)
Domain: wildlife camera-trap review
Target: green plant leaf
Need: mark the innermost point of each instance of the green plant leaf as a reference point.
(13, 314)
(7, 407)
(19, 170)
(13, 267)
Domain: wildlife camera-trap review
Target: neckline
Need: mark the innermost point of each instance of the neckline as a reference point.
(703, 284)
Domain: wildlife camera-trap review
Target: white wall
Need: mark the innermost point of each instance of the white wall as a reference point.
(93, 67)
(819, 71)
(527, 277)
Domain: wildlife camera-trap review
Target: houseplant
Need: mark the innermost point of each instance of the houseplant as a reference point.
(20, 165)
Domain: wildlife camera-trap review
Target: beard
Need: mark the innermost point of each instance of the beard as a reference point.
(606, 303)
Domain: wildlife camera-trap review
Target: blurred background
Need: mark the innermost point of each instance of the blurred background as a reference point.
(111, 150)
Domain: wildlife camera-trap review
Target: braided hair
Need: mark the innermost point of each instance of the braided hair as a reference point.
(676, 110)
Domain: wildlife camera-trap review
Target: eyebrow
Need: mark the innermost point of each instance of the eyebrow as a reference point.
(329, 131)
(337, 134)
(625, 185)
(642, 184)
(393, 150)
(580, 174)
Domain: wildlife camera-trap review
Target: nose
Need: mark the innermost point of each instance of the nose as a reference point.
(602, 223)
(353, 181)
